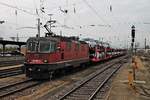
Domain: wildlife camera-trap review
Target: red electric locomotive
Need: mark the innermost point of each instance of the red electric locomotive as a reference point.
(48, 54)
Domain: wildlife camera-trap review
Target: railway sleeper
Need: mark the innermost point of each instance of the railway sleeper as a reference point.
(83, 97)
(99, 99)
(81, 93)
(89, 88)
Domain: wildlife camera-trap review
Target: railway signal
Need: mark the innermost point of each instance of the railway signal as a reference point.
(133, 36)
(1, 22)
(135, 64)
(133, 31)
(132, 46)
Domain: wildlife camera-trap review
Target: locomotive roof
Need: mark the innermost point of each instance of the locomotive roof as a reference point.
(43, 38)
(58, 38)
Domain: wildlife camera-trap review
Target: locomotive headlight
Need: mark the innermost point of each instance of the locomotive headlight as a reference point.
(45, 61)
(39, 70)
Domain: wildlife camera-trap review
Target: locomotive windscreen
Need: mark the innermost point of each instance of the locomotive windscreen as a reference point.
(41, 46)
(47, 46)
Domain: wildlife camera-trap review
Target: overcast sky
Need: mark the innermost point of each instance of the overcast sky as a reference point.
(112, 26)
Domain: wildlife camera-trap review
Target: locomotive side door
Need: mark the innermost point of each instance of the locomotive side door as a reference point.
(62, 50)
(62, 55)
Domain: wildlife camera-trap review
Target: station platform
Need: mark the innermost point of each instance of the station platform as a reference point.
(123, 91)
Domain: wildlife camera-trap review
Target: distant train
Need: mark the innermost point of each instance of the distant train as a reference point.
(46, 55)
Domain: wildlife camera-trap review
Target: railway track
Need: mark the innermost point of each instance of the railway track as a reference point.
(10, 72)
(90, 87)
(12, 62)
(17, 87)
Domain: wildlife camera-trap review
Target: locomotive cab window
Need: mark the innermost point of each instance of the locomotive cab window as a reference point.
(47, 46)
(31, 46)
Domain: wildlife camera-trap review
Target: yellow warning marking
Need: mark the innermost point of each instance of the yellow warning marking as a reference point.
(136, 64)
(130, 78)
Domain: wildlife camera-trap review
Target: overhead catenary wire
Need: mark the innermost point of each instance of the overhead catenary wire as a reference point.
(30, 13)
(35, 6)
(14, 7)
(23, 10)
(64, 26)
(98, 15)
(95, 12)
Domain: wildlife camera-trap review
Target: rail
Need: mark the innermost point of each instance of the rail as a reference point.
(90, 86)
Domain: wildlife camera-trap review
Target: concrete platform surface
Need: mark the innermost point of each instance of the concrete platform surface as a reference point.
(122, 91)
